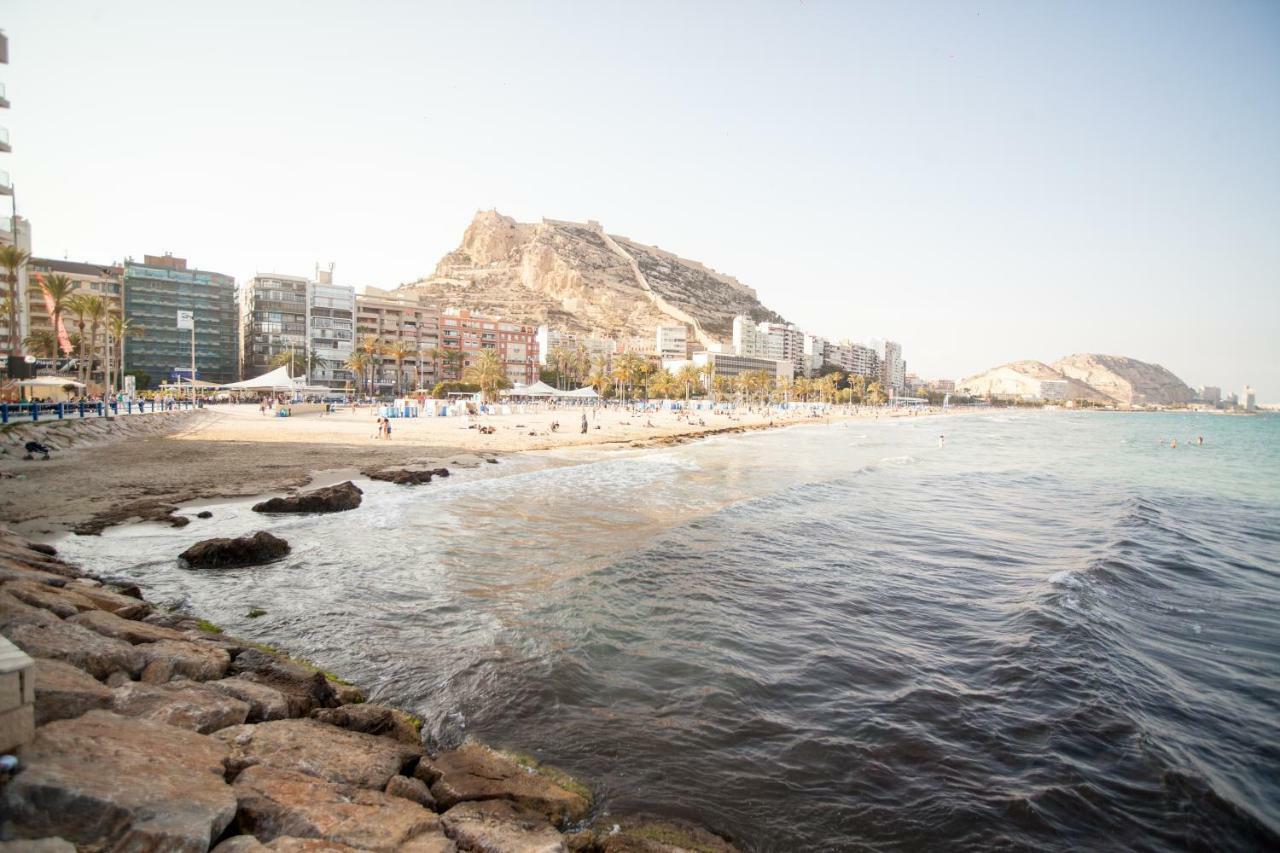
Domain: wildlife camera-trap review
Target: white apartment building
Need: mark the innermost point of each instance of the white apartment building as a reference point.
(671, 342)
(785, 343)
(748, 340)
(331, 320)
(1248, 400)
(893, 369)
(550, 339)
(815, 351)
(280, 313)
(1054, 389)
(853, 359)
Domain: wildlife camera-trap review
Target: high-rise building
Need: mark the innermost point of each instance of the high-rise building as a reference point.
(331, 326)
(815, 352)
(748, 340)
(154, 291)
(406, 329)
(671, 342)
(1248, 401)
(14, 231)
(854, 359)
(784, 342)
(469, 334)
(550, 339)
(1210, 394)
(893, 370)
(273, 321)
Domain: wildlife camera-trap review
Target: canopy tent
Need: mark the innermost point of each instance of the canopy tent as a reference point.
(187, 383)
(276, 380)
(49, 382)
(537, 389)
(587, 393)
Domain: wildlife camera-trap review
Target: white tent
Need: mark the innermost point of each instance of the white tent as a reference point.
(537, 389)
(277, 380)
(587, 393)
(49, 382)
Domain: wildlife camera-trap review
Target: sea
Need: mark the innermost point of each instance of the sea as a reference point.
(1011, 629)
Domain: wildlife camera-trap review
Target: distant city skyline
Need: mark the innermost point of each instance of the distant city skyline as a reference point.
(982, 184)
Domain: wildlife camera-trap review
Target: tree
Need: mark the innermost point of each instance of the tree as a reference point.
(600, 376)
(120, 329)
(13, 259)
(358, 363)
(661, 384)
(489, 372)
(688, 376)
(453, 359)
(875, 394)
(400, 350)
(372, 348)
(41, 343)
(78, 306)
(431, 354)
(95, 309)
(628, 369)
(58, 289)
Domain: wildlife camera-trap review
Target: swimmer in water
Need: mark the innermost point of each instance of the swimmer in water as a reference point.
(942, 441)
(1173, 443)
(1199, 439)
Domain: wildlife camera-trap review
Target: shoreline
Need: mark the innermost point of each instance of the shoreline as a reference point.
(214, 455)
(153, 728)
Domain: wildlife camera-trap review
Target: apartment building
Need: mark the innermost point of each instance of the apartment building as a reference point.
(469, 334)
(671, 341)
(103, 280)
(273, 321)
(154, 291)
(331, 323)
(549, 339)
(406, 328)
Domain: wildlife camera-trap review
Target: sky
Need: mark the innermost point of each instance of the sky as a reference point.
(982, 182)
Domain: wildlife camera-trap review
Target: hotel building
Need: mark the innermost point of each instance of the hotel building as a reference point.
(154, 291)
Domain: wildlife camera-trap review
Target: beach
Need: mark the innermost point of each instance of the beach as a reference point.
(235, 451)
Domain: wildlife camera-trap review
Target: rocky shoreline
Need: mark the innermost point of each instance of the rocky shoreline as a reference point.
(155, 731)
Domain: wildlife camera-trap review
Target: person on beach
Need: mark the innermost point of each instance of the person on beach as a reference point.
(1174, 443)
(942, 441)
(584, 423)
(1199, 439)
(386, 428)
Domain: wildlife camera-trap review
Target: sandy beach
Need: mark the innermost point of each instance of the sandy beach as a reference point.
(235, 451)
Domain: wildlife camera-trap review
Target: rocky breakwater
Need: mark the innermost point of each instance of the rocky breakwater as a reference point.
(155, 731)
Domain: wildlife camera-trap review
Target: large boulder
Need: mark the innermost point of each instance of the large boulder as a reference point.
(275, 802)
(97, 655)
(64, 692)
(265, 703)
(185, 704)
(414, 790)
(62, 602)
(372, 720)
(339, 498)
(320, 750)
(500, 825)
(284, 844)
(306, 689)
(109, 782)
(253, 550)
(408, 476)
(477, 772)
(124, 606)
(129, 630)
(15, 612)
(169, 659)
(655, 835)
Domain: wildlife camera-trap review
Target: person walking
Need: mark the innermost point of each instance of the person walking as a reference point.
(584, 423)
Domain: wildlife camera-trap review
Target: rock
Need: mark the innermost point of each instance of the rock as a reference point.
(15, 612)
(339, 498)
(253, 550)
(64, 692)
(11, 570)
(185, 704)
(43, 845)
(124, 606)
(110, 782)
(320, 750)
(411, 789)
(402, 476)
(304, 688)
(347, 694)
(372, 720)
(498, 825)
(287, 844)
(166, 659)
(265, 703)
(275, 802)
(95, 654)
(42, 548)
(131, 591)
(476, 772)
(61, 602)
(129, 630)
(204, 513)
(645, 835)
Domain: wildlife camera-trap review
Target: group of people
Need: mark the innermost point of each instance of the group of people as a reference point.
(384, 427)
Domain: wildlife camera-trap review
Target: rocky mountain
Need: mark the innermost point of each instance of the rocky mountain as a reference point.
(1107, 379)
(577, 277)
(1126, 380)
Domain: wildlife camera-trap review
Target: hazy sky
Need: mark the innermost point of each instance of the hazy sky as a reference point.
(983, 182)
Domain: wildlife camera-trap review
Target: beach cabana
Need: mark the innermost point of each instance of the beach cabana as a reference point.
(276, 380)
(587, 393)
(537, 389)
(48, 386)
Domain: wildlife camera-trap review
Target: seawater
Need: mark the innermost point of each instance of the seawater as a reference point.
(1053, 632)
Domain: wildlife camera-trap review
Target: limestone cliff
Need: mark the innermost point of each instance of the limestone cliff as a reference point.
(1126, 380)
(1108, 379)
(577, 277)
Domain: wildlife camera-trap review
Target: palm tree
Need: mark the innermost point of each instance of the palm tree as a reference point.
(599, 376)
(372, 347)
(119, 328)
(357, 363)
(41, 343)
(689, 375)
(95, 309)
(489, 372)
(629, 369)
(58, 289)
(453, 360)
(431, 354)
(78, 305)
(400, 350)
(12, 259)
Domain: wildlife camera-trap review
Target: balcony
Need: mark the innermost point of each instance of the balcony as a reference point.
(4, 101)
(4, 141)
(6, 188)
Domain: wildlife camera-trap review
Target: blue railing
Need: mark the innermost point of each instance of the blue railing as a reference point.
(36, 412)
